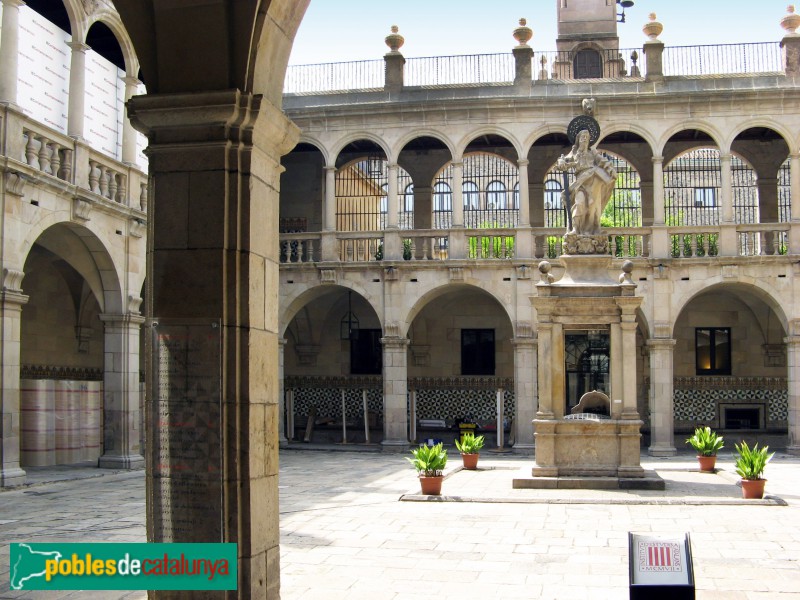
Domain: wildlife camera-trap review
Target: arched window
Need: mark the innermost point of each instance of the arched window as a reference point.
(552, 194)
(442, 197)
(515, 196)
(495, 195)
(587, 64)
(471, 195)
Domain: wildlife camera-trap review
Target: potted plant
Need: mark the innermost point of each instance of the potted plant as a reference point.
(430, 461)
(470, 447)
(706, 443)
(750, 466)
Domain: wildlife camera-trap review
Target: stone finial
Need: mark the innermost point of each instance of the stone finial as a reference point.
(653, 29)
(394, 40)
(791, 21)
(523, 33)
(625, 276)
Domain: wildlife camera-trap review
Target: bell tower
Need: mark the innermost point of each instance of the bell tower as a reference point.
(587, 40)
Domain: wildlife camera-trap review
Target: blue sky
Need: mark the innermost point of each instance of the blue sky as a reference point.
(344, 30)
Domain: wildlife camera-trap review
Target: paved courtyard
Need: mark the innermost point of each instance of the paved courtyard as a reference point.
(345, 533)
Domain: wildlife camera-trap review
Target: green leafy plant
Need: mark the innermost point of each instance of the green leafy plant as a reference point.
(705, 441)
(429, 461)
(751, 461)
(470, 443)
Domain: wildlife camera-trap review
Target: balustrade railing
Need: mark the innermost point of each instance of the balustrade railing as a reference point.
(495, 244)
(47, 151)
(107, 179)
(693, 242)
(330, 77)
(763, 239)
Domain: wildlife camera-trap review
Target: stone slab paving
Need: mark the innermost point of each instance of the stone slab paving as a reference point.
(346, 534)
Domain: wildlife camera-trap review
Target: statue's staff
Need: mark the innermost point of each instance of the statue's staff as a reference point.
(566, 199)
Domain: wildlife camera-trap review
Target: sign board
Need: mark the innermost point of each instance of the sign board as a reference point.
(660, 567)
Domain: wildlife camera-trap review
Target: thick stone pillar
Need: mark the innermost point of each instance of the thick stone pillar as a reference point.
(77, 90)
(11, 302)
(793, 364)
(121, 410)
(525, 376)
(662, 419)
(215, 163)
(128, 132)
(654, 53)
(329, 247)
(628, 306)
(395, 391)
(9, 51)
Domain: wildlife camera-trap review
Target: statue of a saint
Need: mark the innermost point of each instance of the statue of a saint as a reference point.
(595, 177)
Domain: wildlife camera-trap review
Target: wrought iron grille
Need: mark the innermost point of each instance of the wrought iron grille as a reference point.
(784, 193)
(362, 195)
(492, 196)
(692, 184)
(764, 57)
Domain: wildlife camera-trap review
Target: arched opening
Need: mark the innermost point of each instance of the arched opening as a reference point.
(730, 365)
(460, 358)
(333, 366)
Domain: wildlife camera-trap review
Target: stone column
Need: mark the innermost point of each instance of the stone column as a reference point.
(395, 391)
(11, 474)
(662, 435)
(392, 199)
(128, 132)
(77, 90)
(9, 51)
(214, 160)
(281, 394)
(458, 194)
(525, 367)
(544, 367)
(524, 197)
(328, 246)
(121, 410)
(726, 199)
(793, 363)
(659, 218)
(536, 210)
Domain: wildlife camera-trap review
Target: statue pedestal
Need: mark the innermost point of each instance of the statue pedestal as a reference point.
(576, 243)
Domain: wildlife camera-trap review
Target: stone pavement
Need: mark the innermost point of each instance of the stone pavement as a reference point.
(346, 534)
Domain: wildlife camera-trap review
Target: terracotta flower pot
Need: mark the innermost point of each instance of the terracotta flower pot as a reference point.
(431, 486)
(707, 463)
(753, 488)
(470, 461)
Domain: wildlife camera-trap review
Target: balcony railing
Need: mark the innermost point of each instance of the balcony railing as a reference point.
(703, 241)
(499, 69)
(723, 59)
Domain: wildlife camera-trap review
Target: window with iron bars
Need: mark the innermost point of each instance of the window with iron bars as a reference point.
(490, 192)
(784, 193)
(362, 195)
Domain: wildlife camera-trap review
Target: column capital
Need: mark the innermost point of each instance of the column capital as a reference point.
(661, 343)
(794, 156)
(330, 169)
(78, 46)
(457, 164)
(726, 157)
(657, 160)
(10, 298)
(131, 319)
(394, 342)
(792, 340)
(131, 80)
(12, 280)
(523, 162)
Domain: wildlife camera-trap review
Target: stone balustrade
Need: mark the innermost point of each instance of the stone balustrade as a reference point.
(47, 151)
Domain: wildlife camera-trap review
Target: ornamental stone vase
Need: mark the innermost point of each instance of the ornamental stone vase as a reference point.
(523, 33)
(653, 29)
(791, 21)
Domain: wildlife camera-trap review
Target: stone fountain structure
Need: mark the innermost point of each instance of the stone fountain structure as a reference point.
(582, 448)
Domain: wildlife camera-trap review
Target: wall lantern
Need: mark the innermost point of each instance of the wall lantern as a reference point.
(348, 326)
